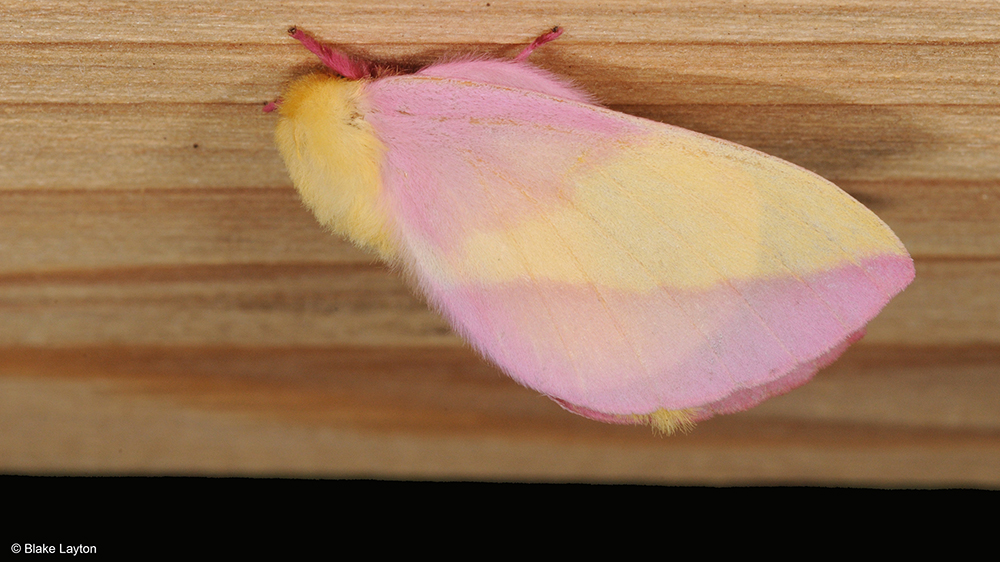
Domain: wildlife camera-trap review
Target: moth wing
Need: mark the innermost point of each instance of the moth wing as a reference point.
(619, 265)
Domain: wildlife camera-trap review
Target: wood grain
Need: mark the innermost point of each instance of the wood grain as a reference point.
(163, 146)
(618, 74)
(870, 419)
(505, 22)
(168, 307)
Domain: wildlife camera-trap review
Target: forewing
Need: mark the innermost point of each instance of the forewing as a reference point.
(621, 265)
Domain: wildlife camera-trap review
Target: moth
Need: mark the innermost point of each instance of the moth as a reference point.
(632, 271)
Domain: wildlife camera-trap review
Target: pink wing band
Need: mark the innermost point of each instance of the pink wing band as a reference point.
(741, 399)
(728, 347)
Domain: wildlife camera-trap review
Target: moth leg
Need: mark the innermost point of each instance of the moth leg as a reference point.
(335, 61)
(542, 39)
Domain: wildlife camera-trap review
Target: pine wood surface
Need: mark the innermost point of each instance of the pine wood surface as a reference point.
(168, 307)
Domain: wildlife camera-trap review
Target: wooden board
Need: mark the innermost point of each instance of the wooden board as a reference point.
(168, 307)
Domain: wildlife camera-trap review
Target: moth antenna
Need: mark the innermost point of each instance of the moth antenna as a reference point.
(542, 39)
(334, 60)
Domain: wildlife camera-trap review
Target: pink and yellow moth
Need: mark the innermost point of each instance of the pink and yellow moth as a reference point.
(632, 271)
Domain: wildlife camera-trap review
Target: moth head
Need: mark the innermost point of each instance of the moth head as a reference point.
(334, 156)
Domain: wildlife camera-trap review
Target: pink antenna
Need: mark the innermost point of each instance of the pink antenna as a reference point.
(545, 38)
(335, 61)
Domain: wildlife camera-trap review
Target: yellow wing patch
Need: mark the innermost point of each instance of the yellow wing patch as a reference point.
(685, 210)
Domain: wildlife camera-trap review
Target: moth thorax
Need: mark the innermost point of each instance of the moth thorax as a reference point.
(333, 157)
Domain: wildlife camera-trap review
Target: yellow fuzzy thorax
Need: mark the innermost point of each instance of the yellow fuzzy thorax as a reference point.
(333, 157)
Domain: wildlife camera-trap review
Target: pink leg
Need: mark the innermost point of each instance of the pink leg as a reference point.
(337, 62)
(543, 39)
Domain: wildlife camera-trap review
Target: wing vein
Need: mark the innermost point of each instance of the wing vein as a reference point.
(516, 244)
(601, 298)
(616, 321)
(833, 312)
(711, 266)
(649, 274)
